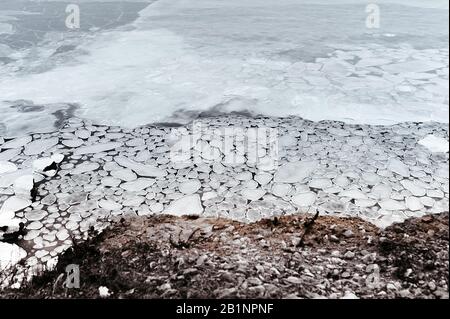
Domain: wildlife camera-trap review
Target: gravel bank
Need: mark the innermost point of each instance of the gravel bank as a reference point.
(288, 257)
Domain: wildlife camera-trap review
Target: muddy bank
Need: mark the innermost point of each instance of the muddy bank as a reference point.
(289, 257)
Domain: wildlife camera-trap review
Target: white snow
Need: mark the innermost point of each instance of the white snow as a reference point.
(7, 167)
(253, 194)
(435, 144)
(7, 212)
(295, 172)
(137, 185)
(140, 169)
(10, 255)
(190, 187)
(304, 199)
(97, 148)
(256, 55)
(38, 146)
(103, 292)
(397, 166)
(188, 205)
(24, 185)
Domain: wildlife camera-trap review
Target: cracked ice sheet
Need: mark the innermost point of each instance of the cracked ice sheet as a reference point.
(272, 57)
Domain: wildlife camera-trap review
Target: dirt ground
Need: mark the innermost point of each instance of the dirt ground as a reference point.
(300, 256)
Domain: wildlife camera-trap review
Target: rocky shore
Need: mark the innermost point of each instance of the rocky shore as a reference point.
(58, 187)
(303, 256)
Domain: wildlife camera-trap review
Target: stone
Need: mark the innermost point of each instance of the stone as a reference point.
(295, 172)
(349, 255)
(294, 280)
(348, 233)
(188, 205)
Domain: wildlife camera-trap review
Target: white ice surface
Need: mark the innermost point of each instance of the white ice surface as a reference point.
(270, 57)
(435, 144)
(10, 255)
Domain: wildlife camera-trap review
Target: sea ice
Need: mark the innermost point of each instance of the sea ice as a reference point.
(435, 144)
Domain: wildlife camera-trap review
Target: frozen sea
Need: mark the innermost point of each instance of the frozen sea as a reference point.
(134, 63)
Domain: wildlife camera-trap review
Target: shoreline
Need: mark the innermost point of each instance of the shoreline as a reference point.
(85, 176)
(290, 257)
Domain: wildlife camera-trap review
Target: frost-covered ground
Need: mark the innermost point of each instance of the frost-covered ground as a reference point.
(132, 66)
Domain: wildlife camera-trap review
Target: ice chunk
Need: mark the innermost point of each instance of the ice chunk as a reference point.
(435, 144)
